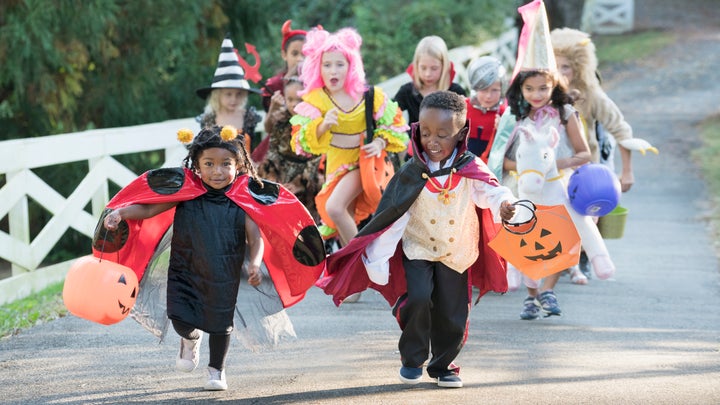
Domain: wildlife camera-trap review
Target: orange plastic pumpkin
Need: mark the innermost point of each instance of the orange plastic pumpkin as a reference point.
(375, 173)
(100, 290)
(546, 245)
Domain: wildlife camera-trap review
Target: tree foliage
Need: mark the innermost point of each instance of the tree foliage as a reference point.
(71, 65)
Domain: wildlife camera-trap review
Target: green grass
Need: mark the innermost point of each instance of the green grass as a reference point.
(708, 153)
(706, 156)
(38, 308)
(629, 47)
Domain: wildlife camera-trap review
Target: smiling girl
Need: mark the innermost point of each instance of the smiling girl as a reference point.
(538, 97)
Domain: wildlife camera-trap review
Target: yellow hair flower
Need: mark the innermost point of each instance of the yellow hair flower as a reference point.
(185, 135)
(228, 133)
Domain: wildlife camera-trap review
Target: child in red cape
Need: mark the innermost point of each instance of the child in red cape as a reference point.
(426, 245)
(218, 212)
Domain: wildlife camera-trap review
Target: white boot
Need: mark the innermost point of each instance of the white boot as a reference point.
(189, 354)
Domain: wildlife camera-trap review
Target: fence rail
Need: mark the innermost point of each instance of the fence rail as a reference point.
(97, 148)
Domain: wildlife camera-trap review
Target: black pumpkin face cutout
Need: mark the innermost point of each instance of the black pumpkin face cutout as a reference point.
(126, 292)
(541, 253)
(545, 244)
(100, 290)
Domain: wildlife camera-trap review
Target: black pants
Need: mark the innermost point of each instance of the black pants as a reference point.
(219, 344)
(434, 316)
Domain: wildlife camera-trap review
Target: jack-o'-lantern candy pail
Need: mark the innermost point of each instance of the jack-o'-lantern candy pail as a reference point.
(544, 245)
(100, 290)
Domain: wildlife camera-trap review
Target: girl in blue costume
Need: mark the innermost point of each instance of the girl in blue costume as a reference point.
(215, 221)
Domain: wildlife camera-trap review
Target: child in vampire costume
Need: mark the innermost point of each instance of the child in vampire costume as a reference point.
(426, 245)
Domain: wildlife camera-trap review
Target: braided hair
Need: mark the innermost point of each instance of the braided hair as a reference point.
(210, 138)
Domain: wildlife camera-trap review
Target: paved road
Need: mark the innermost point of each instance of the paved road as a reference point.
(651, 335)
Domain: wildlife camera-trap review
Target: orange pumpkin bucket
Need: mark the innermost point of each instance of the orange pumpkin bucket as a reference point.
(545, 244)
(375, 174)
(100, 290)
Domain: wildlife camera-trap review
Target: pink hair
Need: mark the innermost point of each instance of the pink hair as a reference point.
(346, 41)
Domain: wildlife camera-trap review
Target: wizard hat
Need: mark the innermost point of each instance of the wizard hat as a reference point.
(229, 74)
(535, 49)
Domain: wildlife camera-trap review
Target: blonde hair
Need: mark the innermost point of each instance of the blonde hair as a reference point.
(579, 50)
(434, 47)
(213, 101)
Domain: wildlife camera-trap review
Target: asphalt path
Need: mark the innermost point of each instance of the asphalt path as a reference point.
(649, 335)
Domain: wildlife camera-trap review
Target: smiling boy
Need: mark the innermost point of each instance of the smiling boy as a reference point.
(432, 226)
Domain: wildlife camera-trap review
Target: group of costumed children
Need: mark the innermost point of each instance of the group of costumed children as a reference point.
(423, 246)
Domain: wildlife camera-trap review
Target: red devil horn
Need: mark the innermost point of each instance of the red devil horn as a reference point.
(251, 72)
(286, 27)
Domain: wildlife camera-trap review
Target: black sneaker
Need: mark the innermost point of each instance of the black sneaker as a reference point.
(410, 375)
(450, 380)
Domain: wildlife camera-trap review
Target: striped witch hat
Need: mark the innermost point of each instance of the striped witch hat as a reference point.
(229, 74)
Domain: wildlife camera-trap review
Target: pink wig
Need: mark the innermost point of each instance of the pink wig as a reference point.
(346, 41)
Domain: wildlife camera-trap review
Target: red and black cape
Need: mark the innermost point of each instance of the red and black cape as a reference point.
(294, 250)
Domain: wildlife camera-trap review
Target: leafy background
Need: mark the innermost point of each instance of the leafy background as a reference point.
(72, 65)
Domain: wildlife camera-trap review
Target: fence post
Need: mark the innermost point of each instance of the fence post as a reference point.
(19, 223)
(608, 16)
(102, 195)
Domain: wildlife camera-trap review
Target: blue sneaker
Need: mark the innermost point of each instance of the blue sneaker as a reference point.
(531, 309)
(410, 375)
(549, 303)
(450, 380)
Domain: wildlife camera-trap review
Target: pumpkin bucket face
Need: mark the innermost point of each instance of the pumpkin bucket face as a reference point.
(100, 290)
(551, 245)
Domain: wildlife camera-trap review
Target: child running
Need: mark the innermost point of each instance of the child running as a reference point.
(331, 120)
(227, 97)
(538, 96)
(216, 221)
(430, 70)
(427, 243)
(488, 80)
(299, 174)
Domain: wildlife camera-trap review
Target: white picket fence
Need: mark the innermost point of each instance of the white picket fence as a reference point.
(608, 16)
(97, 148)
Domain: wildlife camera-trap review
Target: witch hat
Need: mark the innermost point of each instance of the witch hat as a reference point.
(229, 74)
(535, 51)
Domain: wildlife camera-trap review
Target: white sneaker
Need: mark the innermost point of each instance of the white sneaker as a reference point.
(216, 380)
(189, 355)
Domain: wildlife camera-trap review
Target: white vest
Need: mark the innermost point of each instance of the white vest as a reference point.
(447, 233)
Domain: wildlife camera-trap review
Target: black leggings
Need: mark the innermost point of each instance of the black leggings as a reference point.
(219, 344)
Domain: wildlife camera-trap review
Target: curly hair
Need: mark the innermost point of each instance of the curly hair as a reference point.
(210, 138)
(448, 101)
(346, 41)
(518, 104)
